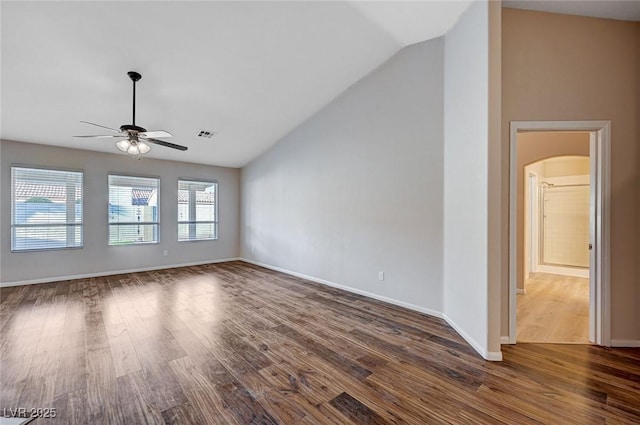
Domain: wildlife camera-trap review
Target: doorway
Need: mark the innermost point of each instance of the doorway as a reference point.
(553, 293)
(597, 274)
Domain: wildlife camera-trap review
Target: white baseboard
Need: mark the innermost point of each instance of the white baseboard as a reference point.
(409, 306)
(563, 271)
(112, 272)
(614, 342)
(625, 342)
(491, 355)
(494, 356)
(521, 291)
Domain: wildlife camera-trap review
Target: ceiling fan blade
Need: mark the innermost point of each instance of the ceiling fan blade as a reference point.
(102, 137)
(167, 144)
(156, 133)
(98, 125)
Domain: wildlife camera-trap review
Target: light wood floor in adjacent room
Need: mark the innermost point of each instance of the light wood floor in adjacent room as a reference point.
(554, 309)
(238, 344)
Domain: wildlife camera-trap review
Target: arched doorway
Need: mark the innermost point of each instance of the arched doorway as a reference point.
(553, 299)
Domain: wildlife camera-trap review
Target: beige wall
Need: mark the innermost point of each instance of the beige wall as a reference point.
(495, 213)
(638, 162)
(533, 147)
(560, 67)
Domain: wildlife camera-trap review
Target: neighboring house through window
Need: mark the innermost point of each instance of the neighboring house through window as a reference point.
(197, 210)
(133, 210)
(46, 209)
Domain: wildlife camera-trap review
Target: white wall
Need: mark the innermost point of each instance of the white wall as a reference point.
(97, 257)
(466, 178)
(357, 189)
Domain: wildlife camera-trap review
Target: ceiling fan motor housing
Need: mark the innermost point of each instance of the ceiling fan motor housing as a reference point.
(132, 128)
(134, 76)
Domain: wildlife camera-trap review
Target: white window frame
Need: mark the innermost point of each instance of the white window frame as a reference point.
(15, 226)
(156, 223)
(195, 222)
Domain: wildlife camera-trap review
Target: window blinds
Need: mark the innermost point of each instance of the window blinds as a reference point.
(133, 210)
(46, 209)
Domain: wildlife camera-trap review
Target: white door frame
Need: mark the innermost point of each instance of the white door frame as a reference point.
(532, 229)
(599, 270)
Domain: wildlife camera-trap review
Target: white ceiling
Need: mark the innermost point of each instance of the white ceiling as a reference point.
(625, 10)
(250, 71)
(414, 21)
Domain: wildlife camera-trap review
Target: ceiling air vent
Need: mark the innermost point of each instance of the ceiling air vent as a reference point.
(206, 133)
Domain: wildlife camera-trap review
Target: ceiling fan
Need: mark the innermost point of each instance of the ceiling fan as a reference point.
(135, 138)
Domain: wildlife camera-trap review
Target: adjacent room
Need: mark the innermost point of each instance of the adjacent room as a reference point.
(555, 201)
(313, 212)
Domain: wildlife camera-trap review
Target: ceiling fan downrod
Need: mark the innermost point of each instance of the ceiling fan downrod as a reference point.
(135, 77)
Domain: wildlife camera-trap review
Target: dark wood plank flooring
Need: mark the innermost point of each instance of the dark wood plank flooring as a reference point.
(234, 343)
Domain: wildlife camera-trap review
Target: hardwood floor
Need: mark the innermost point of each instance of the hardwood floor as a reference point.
(554, 309)
(238, 344)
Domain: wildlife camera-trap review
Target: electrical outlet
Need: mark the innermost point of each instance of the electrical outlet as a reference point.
(380, 275)
(165, 252)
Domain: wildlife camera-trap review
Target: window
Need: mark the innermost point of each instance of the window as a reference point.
(197, 210)
(46, 209)
(133, 210)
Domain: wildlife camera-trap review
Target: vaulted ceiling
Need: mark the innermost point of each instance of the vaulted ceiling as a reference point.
(248, 71)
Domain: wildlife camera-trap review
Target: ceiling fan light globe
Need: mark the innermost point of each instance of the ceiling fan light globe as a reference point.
(123, 145)
(133, 149)
(143, 147)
